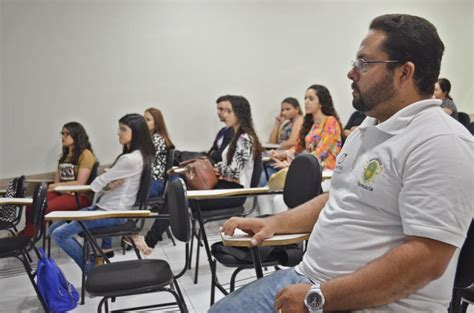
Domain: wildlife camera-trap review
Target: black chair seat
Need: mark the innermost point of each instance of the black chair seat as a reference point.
(217, 214)
(12, 244)
(136, 276)
(468, 293)
(289, 255)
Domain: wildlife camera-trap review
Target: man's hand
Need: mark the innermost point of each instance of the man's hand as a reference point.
(259, 228)
(291, 299)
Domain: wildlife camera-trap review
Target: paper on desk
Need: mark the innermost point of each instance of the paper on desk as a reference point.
(240, 235)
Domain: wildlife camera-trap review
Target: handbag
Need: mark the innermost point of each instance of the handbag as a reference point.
(198, 173)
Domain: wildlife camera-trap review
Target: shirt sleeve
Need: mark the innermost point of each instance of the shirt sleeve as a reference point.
(86, 160)
(436, 197)
(160, 157)
(243, 153)
(126, 166)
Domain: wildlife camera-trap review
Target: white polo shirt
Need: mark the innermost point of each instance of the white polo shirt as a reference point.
(411, 175)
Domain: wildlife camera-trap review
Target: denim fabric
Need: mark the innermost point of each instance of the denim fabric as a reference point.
(259, 296)
(270, 170)
(156, 188)
(63, 234)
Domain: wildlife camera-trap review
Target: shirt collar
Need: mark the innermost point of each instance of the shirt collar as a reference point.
(401, 119)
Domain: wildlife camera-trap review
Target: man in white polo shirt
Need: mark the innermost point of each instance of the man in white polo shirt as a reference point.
(387, 236)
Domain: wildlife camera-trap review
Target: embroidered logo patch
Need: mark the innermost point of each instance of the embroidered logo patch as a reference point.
(371, 170)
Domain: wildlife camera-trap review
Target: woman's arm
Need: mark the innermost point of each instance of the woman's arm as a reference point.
(126, 166)
(295, 132)
(276, 130)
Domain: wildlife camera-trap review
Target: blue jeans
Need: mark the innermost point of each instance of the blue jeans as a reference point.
(63, 234)
(263, 177)
(259, 296)
(156, 188)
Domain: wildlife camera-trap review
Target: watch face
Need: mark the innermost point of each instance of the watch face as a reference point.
(314, 300)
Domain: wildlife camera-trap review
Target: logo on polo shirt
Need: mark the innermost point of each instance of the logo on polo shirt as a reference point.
(371, 170)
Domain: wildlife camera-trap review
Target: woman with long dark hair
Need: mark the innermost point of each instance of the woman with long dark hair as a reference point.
(162, 142)
(116, 189)
(321, 132)
(441, 91)
(234, 171)
(74, 168)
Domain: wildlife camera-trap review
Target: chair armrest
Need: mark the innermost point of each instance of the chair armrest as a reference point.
(94, 215)
(242, 239)
(17, 201)
(225, 193)
(73, 188)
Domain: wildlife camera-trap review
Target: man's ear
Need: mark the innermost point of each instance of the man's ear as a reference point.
(407, 71)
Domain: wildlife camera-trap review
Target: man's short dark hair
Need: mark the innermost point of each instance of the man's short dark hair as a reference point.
(223, 98)
(412, 38)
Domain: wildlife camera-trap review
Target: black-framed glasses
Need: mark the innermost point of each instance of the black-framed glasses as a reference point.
(64, 134)
(361, 64)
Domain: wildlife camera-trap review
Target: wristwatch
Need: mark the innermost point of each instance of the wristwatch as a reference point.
(314, 299)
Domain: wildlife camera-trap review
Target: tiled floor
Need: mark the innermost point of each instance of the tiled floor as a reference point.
(17, 294)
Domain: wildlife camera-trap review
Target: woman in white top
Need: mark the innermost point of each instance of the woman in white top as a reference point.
(116, 189)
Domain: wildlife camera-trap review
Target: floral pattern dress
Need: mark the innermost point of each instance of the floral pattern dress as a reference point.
(324, 140)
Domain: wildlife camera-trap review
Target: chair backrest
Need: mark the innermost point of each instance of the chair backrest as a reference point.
(303, 180)
(38, 209)
(94, 172)
(179, 210)
(464, 118)
(470, 127)
(257, 172)
(144, 189)
(465, 270)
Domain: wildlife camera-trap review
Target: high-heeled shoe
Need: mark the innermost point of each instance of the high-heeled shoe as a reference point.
(139, 243)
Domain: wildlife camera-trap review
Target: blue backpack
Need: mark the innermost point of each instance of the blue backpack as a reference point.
(59, 294)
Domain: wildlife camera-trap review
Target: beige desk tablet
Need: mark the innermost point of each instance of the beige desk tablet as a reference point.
(17, 201)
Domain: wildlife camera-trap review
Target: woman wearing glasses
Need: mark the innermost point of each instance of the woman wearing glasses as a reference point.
(114, 190)
(74, 168)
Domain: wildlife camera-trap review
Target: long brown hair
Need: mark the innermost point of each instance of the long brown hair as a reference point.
(327, 107)
(160, 126)
(241, 108)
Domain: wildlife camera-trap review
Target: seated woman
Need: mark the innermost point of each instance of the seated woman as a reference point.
(162, 142)
(74, 168)
(321, 133)
(116, 189)
(441, 91)
(236, 168)
(287, 124)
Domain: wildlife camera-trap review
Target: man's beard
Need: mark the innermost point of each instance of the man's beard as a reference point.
(380, 92)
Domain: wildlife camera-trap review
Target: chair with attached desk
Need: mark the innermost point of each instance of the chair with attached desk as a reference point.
(131, 227)
(126, 278)
(463, 291)
(204, 217)
(10, 215)
(302, 184)
(19, 246)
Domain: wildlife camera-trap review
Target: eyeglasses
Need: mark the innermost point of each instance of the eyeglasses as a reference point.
(64, 134)
(361, 64)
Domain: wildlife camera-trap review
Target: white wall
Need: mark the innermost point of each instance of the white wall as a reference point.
(93, 61)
